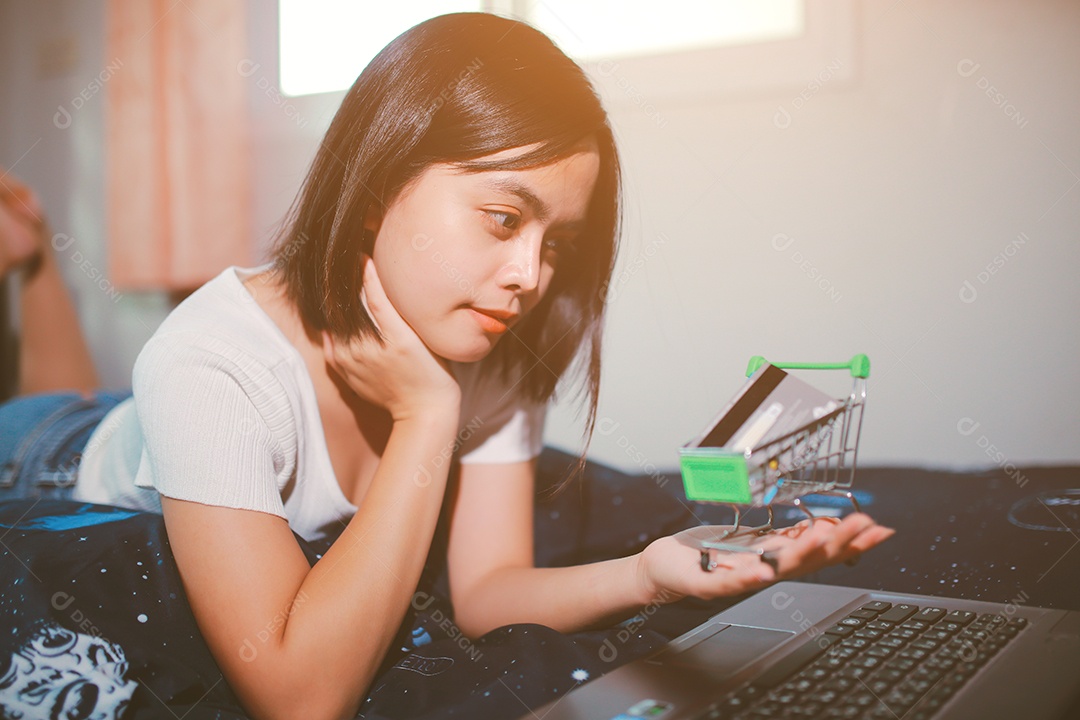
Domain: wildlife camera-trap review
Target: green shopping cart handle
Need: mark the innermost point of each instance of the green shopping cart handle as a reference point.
(859, 366)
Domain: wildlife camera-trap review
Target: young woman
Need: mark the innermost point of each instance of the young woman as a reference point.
(444, 265)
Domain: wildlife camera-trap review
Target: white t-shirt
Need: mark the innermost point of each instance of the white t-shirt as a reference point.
(224, 413)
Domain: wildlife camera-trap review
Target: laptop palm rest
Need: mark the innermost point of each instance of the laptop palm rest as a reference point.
(725, 652)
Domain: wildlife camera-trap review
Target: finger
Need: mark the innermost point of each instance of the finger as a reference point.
(328, 349)
(808, 551)
(749, 564)
(808, 541)
(820, 526)
(367, 308)
(863, 542)
(825, 543)
(847, 531)
(372, 301)
(820, 532)
(874, 536)
(18, 196)
(804, 553)
(797, 529)
(784, 539)
(740, 575)
(24, 201)
(367, 277)
(8, 183)
(371, 275)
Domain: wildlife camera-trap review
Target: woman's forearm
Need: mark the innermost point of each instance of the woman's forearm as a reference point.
(567, 599)
(353, 600)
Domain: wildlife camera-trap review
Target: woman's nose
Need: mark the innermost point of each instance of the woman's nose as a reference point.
(522, 269)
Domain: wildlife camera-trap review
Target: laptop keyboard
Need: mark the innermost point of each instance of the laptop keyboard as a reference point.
(881, 661)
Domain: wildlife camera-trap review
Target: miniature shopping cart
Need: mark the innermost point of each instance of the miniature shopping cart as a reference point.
(816, 458)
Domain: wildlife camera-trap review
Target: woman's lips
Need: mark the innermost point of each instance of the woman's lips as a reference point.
(489, 323)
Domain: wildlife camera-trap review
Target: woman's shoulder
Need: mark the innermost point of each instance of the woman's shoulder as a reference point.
(194, 373)
(220, 319)
(219, 303)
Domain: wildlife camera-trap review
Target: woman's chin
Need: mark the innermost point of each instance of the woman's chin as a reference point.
(463, 342)
(462, 355)
(457, 350)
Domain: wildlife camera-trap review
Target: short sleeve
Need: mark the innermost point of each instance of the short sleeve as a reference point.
(497, 424)
(212, 422)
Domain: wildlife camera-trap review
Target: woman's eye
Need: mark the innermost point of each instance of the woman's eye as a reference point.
(505, 220)
(559, 244)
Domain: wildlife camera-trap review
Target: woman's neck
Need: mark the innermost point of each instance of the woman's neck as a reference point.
(348, 420)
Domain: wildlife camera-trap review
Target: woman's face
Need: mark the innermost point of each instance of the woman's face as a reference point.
(455, 242)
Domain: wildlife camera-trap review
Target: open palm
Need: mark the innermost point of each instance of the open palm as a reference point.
(669, 568)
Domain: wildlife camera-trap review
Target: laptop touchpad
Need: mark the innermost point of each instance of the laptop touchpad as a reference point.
(724, 653)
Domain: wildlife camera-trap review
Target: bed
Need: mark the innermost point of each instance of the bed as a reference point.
(94, 621)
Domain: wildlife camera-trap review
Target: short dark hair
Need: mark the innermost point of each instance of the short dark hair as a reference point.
(450, 90)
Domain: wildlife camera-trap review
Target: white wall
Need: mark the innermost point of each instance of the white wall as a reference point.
(897, 186)
(894, 179)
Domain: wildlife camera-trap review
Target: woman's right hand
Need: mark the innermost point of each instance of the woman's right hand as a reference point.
(401, 375)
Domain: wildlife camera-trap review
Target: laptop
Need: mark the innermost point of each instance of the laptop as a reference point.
(821, 651)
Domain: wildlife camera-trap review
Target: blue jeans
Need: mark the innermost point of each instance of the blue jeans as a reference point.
(42, 437)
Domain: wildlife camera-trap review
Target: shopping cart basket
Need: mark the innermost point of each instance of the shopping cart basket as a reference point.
(817, 458)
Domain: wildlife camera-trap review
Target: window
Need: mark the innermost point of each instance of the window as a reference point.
(324, 44)
(608, 29)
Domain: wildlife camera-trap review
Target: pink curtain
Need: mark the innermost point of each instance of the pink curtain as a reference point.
(178, 153)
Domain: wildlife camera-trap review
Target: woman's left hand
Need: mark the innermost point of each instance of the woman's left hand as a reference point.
(669, 569)
(21, 224)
